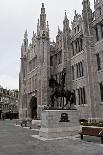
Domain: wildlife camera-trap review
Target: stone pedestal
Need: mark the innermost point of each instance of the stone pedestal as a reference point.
(39, 110)
(54, 126)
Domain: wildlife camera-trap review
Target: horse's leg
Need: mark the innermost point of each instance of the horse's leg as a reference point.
(63, 101)
(57, 101)
(70, 105)
(66, 102)
(49, 102)
(52, 101)
(60, 101)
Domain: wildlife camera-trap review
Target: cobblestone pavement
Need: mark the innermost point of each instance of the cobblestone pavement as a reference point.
(16, 140)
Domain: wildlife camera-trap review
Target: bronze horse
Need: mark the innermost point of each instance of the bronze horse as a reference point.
(59, 91)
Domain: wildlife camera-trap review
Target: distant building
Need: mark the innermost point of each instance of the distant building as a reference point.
(78, 49)
(9, 102)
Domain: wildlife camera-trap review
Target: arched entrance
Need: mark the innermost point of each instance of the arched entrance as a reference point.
(33, 107)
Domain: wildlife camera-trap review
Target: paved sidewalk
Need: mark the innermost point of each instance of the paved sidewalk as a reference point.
(15, 140)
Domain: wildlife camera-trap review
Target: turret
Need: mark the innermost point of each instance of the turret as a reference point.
(87, 16)
(66, 31)
(43, 18)
(65, 23)
(38, 28)
(47, 27)
(25, 38)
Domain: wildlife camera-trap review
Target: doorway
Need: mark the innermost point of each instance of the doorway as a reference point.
(33, 107)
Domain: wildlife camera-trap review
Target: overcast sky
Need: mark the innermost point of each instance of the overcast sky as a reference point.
(18, 15)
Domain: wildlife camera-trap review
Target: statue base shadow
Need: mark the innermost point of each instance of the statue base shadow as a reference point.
(59, 123)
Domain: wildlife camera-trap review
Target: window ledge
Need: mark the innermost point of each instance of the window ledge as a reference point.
(80, 78)
(77, 54)
(84, 105)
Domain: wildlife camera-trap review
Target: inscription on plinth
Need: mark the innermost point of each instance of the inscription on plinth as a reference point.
(64, 117)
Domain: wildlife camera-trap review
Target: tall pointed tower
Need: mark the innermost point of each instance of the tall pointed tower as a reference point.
(44, 59)
(23, 78)
(67, 50)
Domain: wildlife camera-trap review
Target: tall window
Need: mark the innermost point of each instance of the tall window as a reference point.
(51, 61)
(76, 46)
(35, 81)
(79, 68)
(98, 61)
(73, 48)
(24, 72)
(81, 44)
(78, 96)
(100, 11)
(33, 63)
(84, 96)
(102, 30)
(73, 72)
(30, 66)
(43, 51)
(78, 28)
(74, 97)
(81, 96)
(56, 59)
(59, 57)
(75, 30)
(101, 91)
(97, 36)
(34, 48)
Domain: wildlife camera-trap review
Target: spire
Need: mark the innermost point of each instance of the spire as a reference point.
(75, 12)
(58, 30)
(43, 18)
(25, 34)
(65, 18)
(87, 16)
(86, 9)
(42, 9)
(65, 22)
(38, 28)
(47, 26)
(86, 4)
(26, 38)
(33, 34)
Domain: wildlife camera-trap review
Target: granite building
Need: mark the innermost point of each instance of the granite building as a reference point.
(79, 49)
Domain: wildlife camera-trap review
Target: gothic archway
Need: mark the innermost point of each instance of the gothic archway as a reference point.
(33, 107)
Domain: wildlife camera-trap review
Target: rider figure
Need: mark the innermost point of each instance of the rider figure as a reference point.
(63, 79)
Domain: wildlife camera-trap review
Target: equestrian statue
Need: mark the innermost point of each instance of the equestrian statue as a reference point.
(58, 91)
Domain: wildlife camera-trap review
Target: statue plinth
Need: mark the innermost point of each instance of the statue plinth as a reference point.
(59, 123)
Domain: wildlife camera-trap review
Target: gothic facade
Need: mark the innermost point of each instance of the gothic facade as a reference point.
(79, 49)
